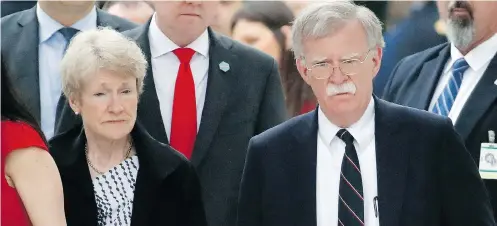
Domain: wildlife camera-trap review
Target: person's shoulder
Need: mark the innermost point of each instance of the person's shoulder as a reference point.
(409, 117)
(423, 56)
(18, 135)
(283, 133)
(122, 24)
(136, 32)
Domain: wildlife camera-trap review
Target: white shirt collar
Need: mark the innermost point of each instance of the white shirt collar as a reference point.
(160, 44)
(476, 58)
(356, 129)
(48, 26)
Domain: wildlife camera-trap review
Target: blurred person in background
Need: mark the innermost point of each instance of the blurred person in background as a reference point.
(265, 25)
(31, 186)
(33, 43)
(297, 5)
(225, 11)
(112, 170)
(414, 34)
(456, 79)
(135, 11)
(206, 95)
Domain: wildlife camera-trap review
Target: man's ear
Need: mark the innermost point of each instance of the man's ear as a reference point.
(300, 63)
(377, 56)
(287, 32)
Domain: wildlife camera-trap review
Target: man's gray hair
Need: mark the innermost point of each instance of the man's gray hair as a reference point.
(322, 19)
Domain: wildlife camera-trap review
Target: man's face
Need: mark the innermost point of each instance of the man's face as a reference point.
(467, 21)
(187, 16)
(225, 11)
(138, 12)
(340, 69)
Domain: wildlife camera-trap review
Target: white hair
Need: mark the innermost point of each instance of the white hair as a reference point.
(320, 20)
(97, 49)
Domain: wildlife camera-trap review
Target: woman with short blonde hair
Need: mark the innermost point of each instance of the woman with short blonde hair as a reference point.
(112, 170)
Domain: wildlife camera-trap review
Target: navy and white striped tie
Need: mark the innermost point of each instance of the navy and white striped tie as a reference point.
(351, 196)
(446, 99)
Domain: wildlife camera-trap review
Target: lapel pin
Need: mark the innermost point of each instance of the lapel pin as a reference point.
(495, 82)
(224, 66)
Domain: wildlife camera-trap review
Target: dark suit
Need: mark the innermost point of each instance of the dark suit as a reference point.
(414, 80)
(414, 34)
(240, 103)
(167, 188)
(20, 41)
(10, 7)
(417, 185)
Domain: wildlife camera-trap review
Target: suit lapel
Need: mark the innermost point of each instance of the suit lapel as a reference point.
(27, 61)
(218, 90)
(391, 161)
(482, 97)
(428, 77)
(303, 166)
(148, 108)
(149, 178)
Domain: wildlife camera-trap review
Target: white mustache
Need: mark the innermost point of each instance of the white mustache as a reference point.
(333, 89)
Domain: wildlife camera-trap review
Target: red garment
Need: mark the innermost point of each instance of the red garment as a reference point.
(184, 117)
(307, 107)
(15, 135)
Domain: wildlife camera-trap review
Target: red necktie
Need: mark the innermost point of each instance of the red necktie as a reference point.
(184, 118)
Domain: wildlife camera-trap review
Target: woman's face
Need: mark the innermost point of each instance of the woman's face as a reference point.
(108, 104)
(257, 35)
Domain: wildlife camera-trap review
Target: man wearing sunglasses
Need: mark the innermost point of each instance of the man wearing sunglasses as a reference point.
(356, 159)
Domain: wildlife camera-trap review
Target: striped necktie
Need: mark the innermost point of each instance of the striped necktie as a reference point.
(446, 99)
(351, 198)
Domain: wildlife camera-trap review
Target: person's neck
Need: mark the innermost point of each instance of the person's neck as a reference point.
(104, 152)
(182, 38)
(478, 40)
(65, 15)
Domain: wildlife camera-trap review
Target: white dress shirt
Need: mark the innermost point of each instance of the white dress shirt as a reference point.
(329, 161)
(165, 66)
(478, 59)
(51, 50)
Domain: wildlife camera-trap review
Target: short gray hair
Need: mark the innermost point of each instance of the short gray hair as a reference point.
(322, 19)
(101, 48)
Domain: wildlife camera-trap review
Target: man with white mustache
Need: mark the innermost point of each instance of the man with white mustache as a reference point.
(356, 159)
(457, 79)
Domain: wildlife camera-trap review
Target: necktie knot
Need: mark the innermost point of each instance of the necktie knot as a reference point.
(184, 55)
(345, 136)
(68, 33)
(460, 66)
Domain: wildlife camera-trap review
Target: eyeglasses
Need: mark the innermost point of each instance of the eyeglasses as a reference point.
(324, 70)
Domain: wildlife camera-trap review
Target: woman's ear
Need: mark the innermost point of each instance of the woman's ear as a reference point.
(75, 104)
(287, 32)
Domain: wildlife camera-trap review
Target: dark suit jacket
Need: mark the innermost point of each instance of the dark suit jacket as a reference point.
(167, 188)
(20, 52)
(240, 103)
(413, 83)
(13, 6)
(416, 33)
(425, 175)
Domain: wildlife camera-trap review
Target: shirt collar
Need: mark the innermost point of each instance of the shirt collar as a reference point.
(362, 130)
(476, 58)
(160, 44)
(49, 26)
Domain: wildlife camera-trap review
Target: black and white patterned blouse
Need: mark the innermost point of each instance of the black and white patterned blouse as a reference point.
(114, 193)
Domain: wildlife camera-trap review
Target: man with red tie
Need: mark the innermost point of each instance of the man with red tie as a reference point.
(206, 96)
